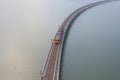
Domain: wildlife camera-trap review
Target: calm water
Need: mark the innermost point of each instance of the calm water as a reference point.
(92, 50)
(26, 30)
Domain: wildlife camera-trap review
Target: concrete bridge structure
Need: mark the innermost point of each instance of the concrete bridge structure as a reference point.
(52, 66)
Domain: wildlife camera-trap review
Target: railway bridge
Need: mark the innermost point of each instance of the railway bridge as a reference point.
(52, 66)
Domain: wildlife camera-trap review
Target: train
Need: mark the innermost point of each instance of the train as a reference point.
(58, 37)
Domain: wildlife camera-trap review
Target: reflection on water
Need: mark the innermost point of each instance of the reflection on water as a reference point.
(21, 37)
(92, 50)
(26, 29)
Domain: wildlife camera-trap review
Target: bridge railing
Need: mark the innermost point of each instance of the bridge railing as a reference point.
(66, 24)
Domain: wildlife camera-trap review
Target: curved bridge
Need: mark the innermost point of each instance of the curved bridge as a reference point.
(52, 67)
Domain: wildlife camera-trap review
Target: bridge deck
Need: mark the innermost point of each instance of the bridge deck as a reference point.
(52, 66)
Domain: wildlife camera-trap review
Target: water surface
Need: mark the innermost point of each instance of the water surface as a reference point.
(26, 30)
(92, 50)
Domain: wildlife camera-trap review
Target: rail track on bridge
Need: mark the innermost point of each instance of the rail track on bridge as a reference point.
(52, 66)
